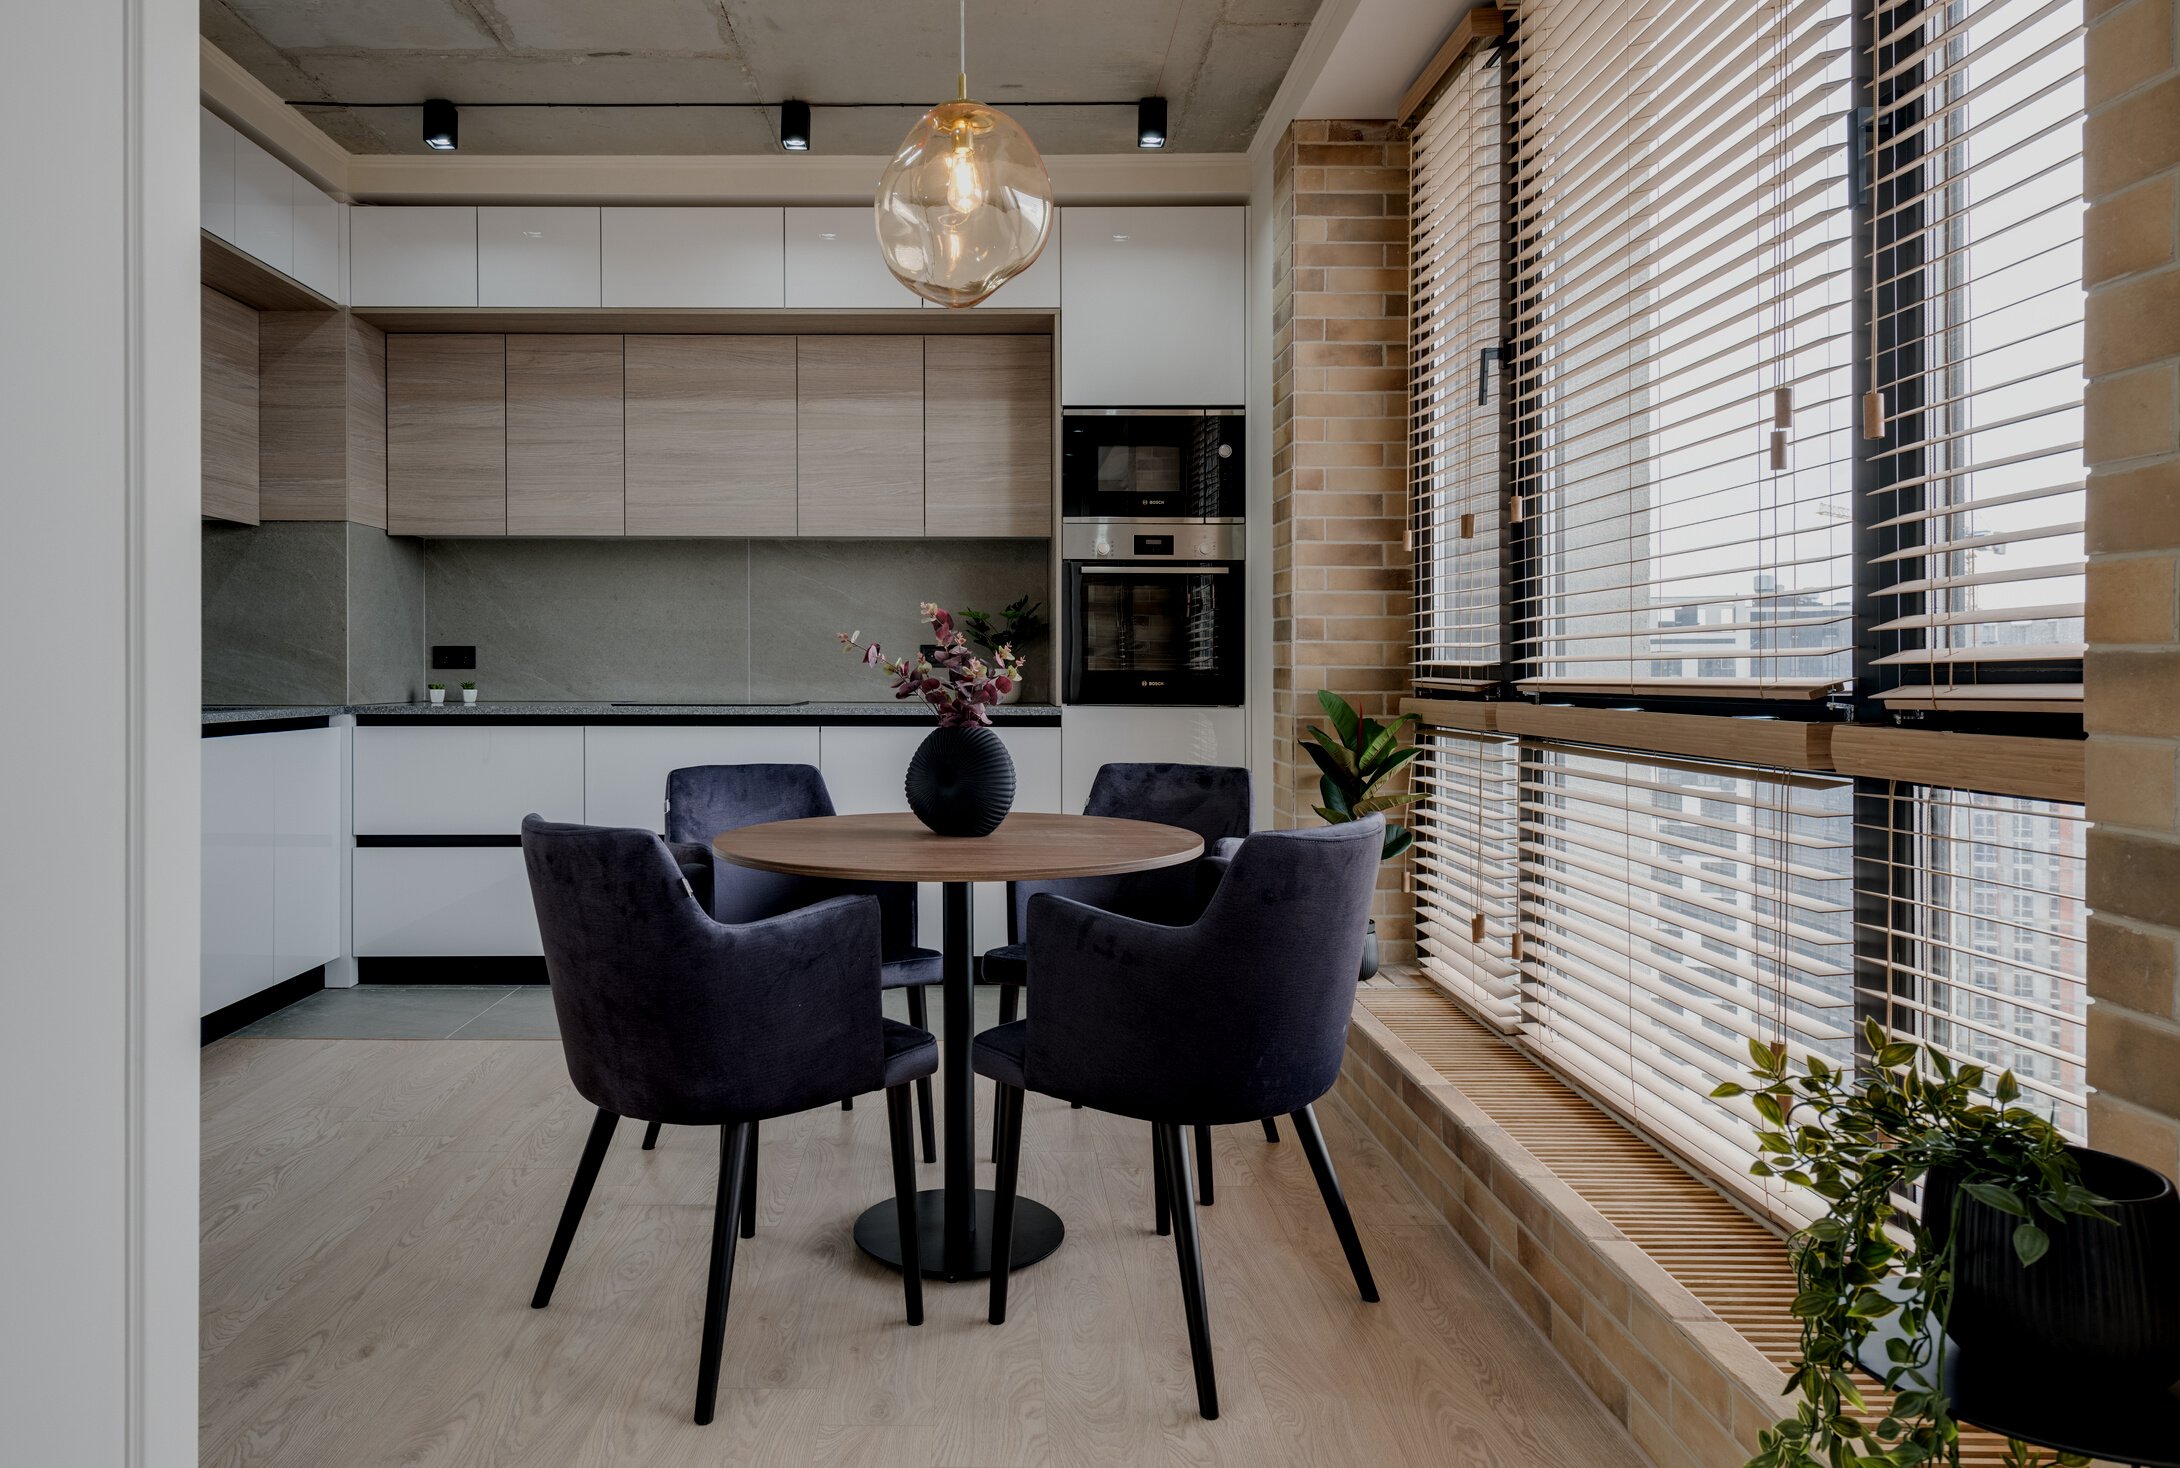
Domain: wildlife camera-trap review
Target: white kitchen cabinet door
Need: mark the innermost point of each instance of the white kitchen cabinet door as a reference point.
(1035, 288)
(1152, 307)
(272, 839)
(421, 256)
(442, 901)
(694, 257)
(215, 174)
(305, 772)
(625, 769)
(317, 225)
(1190, 736)
(472, 780)
(537, 256)
(833, 261)
(264, 206)
(866, 771)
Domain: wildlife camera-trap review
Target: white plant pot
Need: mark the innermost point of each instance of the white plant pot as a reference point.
(438, 695)
(469, 696)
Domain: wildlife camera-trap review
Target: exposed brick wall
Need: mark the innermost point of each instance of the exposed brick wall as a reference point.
(2131, 260)
(1341, 610)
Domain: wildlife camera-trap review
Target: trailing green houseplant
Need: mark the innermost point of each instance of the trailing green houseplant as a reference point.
(1353, 761)
(1859, 1140)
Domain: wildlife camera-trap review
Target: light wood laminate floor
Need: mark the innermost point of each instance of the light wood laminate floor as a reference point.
(375, 1211)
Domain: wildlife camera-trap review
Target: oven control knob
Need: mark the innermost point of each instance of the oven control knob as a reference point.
(1103, 548)
(1226, 451)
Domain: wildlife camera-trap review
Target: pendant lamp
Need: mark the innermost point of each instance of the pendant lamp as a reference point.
(966, 204)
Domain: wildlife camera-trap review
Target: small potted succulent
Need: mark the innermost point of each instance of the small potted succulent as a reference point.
(1352, 761)
(1017, 626)
(469, 694)
(436, 692)
(961, 780)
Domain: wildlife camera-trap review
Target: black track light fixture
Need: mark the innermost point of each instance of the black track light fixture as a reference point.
(795, 126)
(442, 125)
(1150, 123)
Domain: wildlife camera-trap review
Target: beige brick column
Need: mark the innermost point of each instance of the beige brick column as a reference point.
(2132, 708)
(1341, 609)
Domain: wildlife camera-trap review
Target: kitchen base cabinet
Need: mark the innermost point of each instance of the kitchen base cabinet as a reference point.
(442, 901)
(272, 838)
(467, 781)
(624, 770)
(1098, 735)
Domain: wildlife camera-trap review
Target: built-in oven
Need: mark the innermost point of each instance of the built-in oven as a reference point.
(1153, 611)
(1144, 463)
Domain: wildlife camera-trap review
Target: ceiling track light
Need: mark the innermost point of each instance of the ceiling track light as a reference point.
(795, 126)
(1150, 123)
(442, 125)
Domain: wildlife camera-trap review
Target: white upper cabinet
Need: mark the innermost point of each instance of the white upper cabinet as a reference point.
(1152, 307)
(423, 256)
(1035, 288)
(537, 256)
(215, 174)
(318, 238)
(833, 261)
(264, 206)
(695, 257)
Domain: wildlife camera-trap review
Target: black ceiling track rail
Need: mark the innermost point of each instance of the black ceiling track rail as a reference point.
(742, 106)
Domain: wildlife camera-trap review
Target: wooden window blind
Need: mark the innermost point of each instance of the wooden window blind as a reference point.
(1458, 502)
(1976, 344)
(1671, 912)
(1466, 929)
(1983, 930)
(1682, 302)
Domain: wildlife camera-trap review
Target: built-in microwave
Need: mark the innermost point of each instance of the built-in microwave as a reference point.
(1153, 612)
(1147, 463)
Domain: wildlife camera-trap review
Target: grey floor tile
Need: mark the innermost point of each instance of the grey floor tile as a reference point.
(525, 1014)
(381, 1012)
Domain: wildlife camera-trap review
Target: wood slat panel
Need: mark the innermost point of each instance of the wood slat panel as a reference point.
(229, 457)
(446, 435)
(711, 435)
(988, 436)
(1776, 743)
(564, 435)
(2002, 764)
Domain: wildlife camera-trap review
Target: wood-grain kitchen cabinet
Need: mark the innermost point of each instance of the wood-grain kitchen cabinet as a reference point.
(564, 435)
(446, 434)
(987, 451)
(230, 409)
(711, 435)
(859, 433)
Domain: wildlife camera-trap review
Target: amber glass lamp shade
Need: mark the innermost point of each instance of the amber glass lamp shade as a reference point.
(965, 205)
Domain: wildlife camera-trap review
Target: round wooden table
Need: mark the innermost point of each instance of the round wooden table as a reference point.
(955, 1221)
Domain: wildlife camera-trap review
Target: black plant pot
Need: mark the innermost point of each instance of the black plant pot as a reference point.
(1370, 952)
(961, 781)
(2102, 1306)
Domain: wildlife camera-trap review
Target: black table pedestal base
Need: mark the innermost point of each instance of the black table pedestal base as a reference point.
(1037, 1232)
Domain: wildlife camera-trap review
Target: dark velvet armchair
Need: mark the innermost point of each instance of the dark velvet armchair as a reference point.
(704, 800)
(669, 1016)
(1236, 1017)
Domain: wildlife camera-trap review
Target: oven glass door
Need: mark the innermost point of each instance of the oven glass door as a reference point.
(1151, 466)
(1154, 633)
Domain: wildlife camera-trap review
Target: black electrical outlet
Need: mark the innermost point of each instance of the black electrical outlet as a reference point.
(454, 657)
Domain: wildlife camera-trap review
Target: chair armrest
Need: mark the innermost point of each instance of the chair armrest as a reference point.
(799, 995)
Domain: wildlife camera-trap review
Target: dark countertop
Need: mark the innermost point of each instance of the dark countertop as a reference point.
(1032, 715)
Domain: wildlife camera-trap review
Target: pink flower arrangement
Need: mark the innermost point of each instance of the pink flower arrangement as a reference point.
(960, 686)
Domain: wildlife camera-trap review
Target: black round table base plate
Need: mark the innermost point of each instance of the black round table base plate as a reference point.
(1037, 1232)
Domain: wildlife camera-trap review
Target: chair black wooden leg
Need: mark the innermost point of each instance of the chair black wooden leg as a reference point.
(1008, 1109)
(650, 1136)
(1188, 1248)
(1271, 1130)
(1343, 1223)
(586, 1174)
(1158, 1179)
(904, 1201)
(749, 1187)
(919, 1015)
(1203, 1165)
(1010, 1003)
(734, 1145)
(847, 1103)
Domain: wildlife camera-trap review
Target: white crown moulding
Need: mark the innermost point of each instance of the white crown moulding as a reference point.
(762, 178)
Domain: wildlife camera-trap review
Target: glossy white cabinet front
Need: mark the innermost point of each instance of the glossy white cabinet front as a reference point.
(694, 257)
(472, 780)
(1152, 307)
(545, 257)
(1036, 287)
(413, 256)
(272, 838)
(1099, 735)
(215, 174)
(625, 769)
(264, 206)
(833, 262)
(442, 901)
(320, 237)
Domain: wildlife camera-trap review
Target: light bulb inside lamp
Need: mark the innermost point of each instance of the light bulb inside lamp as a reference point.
(965, 187)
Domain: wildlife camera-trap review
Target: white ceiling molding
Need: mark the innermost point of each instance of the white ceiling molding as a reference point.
(1380, 52)
(250, 105)
(1327, 29)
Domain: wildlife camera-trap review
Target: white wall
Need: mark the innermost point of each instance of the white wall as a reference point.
(98, 780)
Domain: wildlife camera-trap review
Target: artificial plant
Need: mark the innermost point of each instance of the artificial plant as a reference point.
(1353, 760)
(1860, 1140)
(1016, 626)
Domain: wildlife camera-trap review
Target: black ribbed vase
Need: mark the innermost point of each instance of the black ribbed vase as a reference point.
(961, 781)
(2103, 1304)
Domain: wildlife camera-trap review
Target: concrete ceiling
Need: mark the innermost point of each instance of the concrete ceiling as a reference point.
(1218, 62)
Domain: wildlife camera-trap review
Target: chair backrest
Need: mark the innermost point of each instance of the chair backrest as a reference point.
(1211, 800)
(667, 1015)
(1241, 1015)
